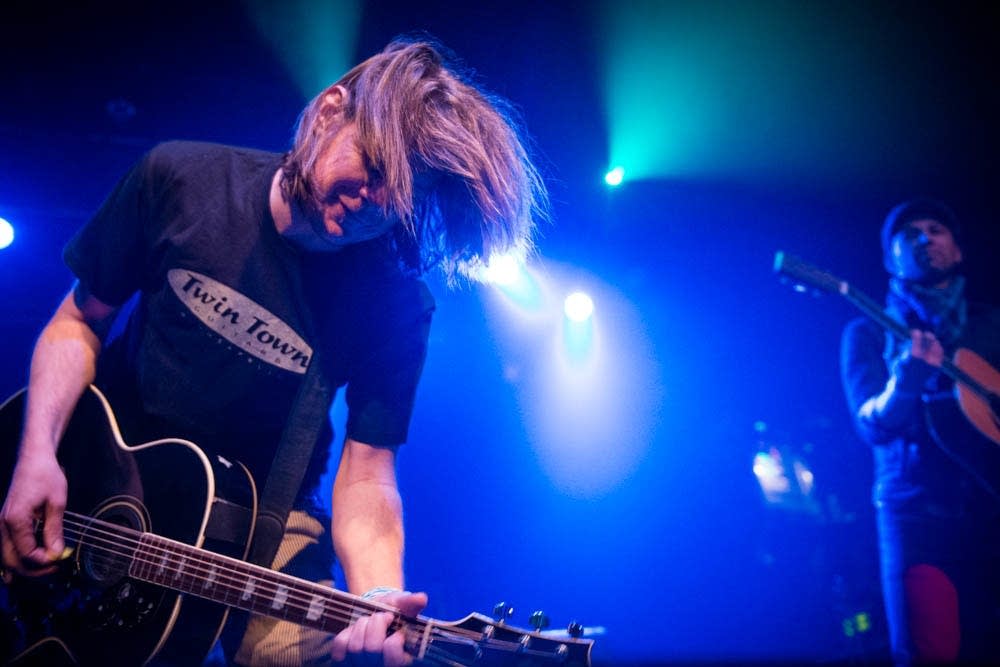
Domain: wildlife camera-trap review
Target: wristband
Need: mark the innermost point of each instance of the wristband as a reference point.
(379, 590)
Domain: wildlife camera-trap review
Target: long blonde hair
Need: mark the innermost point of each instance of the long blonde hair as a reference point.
(455, 169)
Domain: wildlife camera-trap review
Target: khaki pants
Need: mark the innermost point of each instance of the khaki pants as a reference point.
(306, 552)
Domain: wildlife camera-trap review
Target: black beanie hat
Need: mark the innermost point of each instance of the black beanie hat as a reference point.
(916, 209)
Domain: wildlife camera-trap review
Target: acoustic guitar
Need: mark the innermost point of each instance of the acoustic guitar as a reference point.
(969, 434)
(150, 578)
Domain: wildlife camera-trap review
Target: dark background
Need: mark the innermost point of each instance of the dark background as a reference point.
(644, 517)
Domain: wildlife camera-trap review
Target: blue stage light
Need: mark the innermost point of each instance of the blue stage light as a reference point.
(6, 233)
(511, 277)
(578, 328)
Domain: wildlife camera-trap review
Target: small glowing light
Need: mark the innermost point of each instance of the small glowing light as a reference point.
(771, 475)
(578, 307)
(800, 288)
(857, 624)
(6, 233)
(615, 176)
(862, 622)
(804, 476)
(502, 270)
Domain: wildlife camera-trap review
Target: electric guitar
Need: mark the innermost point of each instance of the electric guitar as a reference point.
(970, 436)
(152, 565)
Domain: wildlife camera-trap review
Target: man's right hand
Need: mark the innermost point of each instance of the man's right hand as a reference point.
(921, 358)
(37, 496)
(63, 364)
(925, 346)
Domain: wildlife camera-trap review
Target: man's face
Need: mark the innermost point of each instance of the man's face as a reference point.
(924, 251)
(349, 194)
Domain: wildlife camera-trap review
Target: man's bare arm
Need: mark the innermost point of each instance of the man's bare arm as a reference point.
(368, 537)
(64, 362)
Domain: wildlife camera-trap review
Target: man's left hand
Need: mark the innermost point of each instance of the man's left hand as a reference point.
(367, 641)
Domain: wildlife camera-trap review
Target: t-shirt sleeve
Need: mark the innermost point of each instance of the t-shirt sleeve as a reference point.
(109, 253)
(382, 389)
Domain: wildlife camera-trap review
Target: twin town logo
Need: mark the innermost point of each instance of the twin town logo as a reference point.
(241, 321)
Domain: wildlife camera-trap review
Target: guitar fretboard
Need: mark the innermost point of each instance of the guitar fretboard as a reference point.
(245, 586)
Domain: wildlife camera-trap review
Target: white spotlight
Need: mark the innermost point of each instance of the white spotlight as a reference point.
(578, 307)
(6, 233)
(502, 270)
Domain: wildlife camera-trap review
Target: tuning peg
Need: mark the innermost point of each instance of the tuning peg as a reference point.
(502, 612)
(574, 630)
(539, 621)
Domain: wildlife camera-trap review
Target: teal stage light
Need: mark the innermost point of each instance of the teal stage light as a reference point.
(615, 176)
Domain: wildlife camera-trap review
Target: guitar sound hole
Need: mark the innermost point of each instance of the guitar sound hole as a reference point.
(109, 541)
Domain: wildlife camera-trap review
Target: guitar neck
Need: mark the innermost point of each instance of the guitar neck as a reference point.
(874, 311)
(181, 567)
(249, 587)
(804, 272)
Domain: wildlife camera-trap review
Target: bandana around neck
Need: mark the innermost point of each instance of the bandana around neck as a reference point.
(939, 309)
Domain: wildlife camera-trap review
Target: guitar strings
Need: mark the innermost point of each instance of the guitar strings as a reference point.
(451, 635)
(464, 638)
(199, 569)
(99, 530)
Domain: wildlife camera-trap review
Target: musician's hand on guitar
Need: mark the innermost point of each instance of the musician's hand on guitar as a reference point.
(925, 346)
(31, 530)
(367, 642)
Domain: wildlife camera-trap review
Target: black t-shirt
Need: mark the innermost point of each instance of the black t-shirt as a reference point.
(228, 314)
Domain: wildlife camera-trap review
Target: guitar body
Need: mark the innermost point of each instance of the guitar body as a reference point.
(982, 413)
(965, 426)
(91, 611)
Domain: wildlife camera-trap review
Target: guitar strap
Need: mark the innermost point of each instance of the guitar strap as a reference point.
(298, 439)
(290, 462)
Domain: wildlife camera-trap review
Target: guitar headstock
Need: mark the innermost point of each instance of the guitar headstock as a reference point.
(804, 273)
(479, 640)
